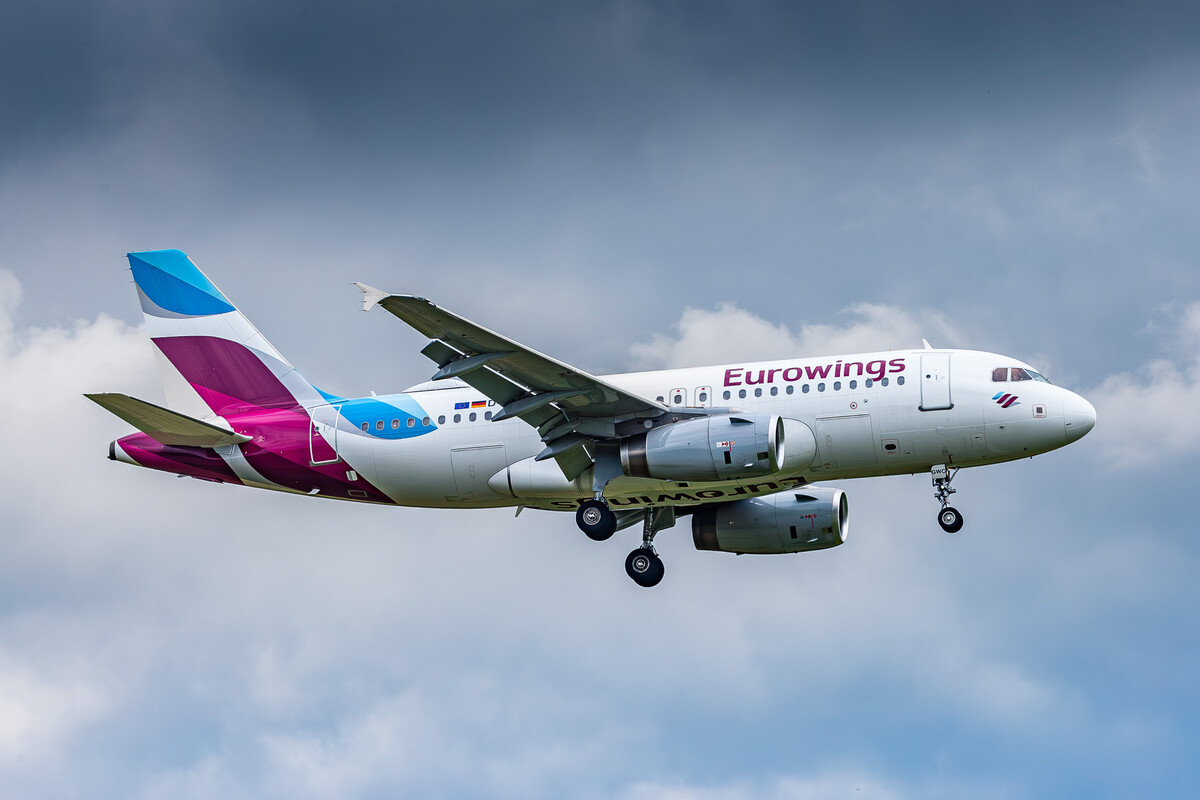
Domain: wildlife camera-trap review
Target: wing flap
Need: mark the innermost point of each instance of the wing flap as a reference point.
(164, 425)
(574, 462)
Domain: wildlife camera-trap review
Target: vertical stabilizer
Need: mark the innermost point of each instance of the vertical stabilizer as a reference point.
(213, 361)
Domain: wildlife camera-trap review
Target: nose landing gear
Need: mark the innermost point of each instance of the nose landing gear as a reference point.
(949, 517)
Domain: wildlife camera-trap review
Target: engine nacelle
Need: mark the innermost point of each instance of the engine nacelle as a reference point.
(811, 518)
(720, 447)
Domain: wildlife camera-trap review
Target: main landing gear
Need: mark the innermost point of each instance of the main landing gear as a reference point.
(643, 564)
(598, 521)
(949, 517)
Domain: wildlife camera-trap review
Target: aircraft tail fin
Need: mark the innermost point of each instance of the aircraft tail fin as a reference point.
(211, 358)
(166, 426)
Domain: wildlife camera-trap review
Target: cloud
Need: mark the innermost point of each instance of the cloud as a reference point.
(1141, 412)
(859, 787)
(40, 710)
(729, 334)
(182, 639)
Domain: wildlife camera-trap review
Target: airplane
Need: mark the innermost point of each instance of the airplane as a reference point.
(738, 447)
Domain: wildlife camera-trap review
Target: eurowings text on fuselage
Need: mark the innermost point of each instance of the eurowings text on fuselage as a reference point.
(737, 446)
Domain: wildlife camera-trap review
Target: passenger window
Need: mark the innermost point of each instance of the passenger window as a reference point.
(869, 383)
(853, 384)
(999, 374)
(703, 397)
(379, 425)
(441, 419)
(660, 398)
(366, 426)
(1019, 374)
(805, 389)
(774, 391)
(395, 424)
(820, 387)
(677, 399)
(899, 380)
(791, 389)
(487, 415)
(883, 381)
(458, 417)
(425, 422)
(412, 421)
(473, 416)
(837, 386)
(758, 392)
(741, 392)
(726, 395)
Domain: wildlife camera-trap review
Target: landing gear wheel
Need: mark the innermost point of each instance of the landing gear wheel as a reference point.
(596, 520)
(645, 567)
(950, 520)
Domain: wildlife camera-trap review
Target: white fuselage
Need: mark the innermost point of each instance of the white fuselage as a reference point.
(872, 414)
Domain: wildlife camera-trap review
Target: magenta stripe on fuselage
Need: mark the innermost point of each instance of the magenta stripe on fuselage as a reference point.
(199, 462)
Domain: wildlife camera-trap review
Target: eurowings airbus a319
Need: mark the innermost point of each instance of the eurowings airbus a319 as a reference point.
(737, 446)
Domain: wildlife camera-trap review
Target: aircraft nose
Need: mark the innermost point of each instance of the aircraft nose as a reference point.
(1079, 417)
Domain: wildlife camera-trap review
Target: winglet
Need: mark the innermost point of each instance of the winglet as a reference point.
(928, 346)
(371, 295)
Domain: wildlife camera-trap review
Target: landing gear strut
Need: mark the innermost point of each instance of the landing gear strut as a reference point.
(643, 564)
(949, 517)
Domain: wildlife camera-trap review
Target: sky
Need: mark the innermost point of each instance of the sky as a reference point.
(623, 185)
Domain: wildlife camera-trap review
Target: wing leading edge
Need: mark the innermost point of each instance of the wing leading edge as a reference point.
(572, 410)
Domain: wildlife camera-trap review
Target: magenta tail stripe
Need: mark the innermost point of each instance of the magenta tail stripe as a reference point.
(225, 368)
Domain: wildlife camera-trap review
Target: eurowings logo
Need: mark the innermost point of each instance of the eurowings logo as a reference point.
(1004, 399)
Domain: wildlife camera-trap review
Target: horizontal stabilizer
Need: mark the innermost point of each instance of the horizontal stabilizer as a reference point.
(164, 425)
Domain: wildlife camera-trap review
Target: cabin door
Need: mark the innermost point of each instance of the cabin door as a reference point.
(935, 382)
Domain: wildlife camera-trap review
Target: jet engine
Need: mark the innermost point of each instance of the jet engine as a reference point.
(719, 447)
(811, 518)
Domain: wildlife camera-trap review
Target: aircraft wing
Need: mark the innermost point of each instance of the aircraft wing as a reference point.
(571, 409)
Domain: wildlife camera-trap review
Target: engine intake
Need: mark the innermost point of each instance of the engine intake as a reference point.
(719, 447)
(789, 522)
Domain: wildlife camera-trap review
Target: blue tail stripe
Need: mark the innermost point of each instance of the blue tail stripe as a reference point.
(174, 283)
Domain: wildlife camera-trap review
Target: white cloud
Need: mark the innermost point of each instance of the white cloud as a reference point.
(1143, 414)
(235, 643)
(822, 787)
(729, 333)
(38, 713)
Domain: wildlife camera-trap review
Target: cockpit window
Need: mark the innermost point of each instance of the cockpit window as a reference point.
(1001, 374)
